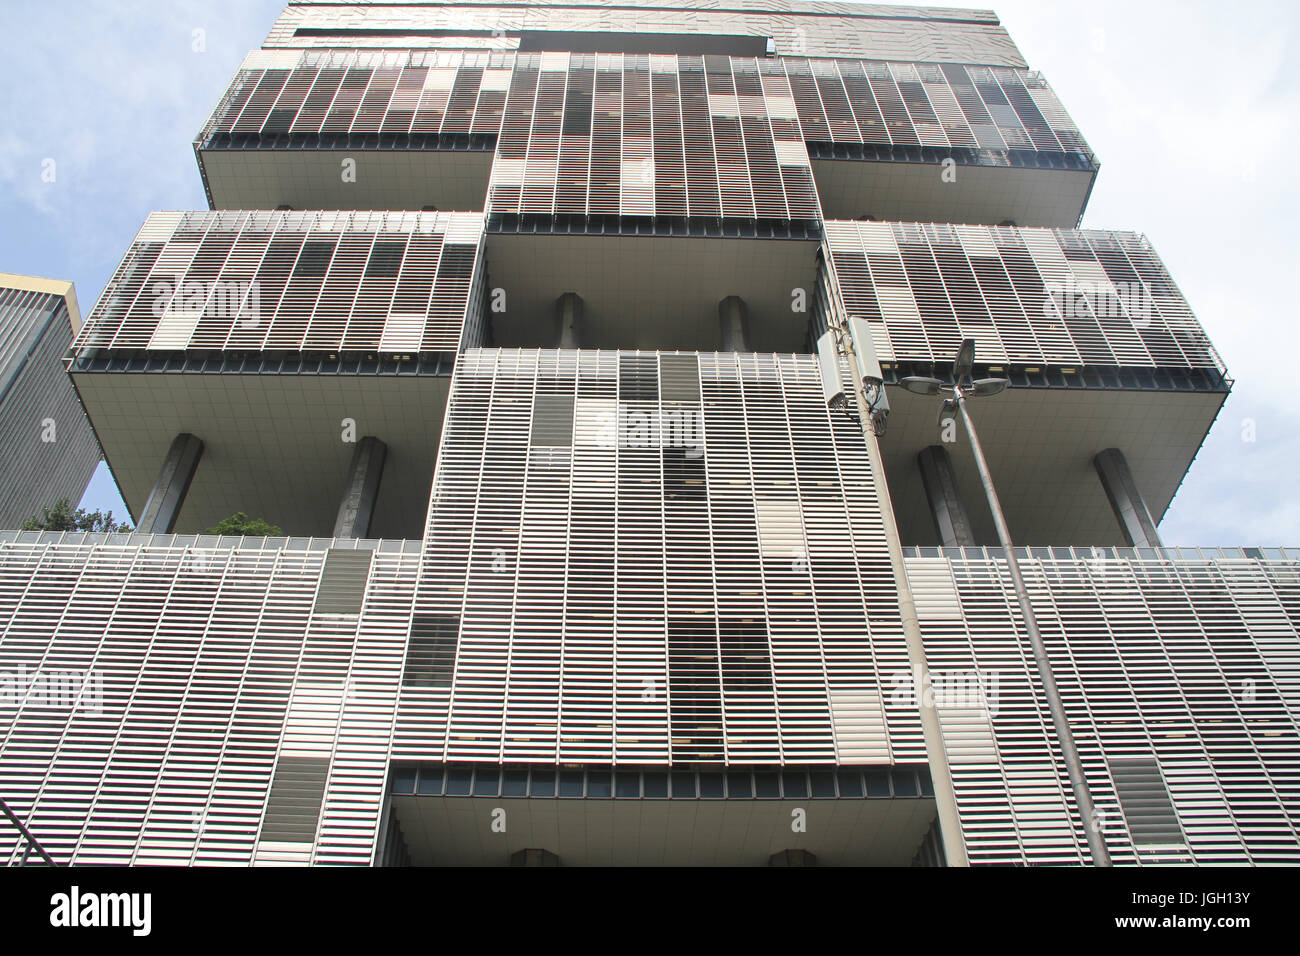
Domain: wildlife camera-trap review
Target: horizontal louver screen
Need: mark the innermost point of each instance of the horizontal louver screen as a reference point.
(1027, 296)
(343, 582)
(293, 806)
(293, 281)
(1145, 801)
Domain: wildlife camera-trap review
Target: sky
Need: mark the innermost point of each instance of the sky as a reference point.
(1190, 108)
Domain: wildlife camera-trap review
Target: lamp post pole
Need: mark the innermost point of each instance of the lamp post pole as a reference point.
(1061, 723)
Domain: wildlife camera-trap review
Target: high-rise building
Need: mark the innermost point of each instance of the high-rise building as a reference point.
(49, 451)
(537, 327)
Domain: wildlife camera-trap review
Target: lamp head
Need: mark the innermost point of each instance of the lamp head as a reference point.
(921, 385)
(988, 386)
(964, 362)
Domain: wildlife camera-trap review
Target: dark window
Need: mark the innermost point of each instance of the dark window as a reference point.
(1145, 802)
(683, 474)
(927, 785)
(739, 786)
(430, 781)
(571, 783)
(684, 785)
(278, 121)
(598, 784)
(878, 783)
(343, 581)
(487, 782)
(681, 378)
(553, 420)
(905, 784)
(314, 260)
(515, 783)
(386, 259)
(543, 783)
(767, 785)
(403, 780)
(294, 802)
(638, 378)
(431, 651)
(746, 666)
(796, 784)
(458, 781)
(850, 783)
(693, 691)
(656, 785)
(711, 785)
(627, 785)
(577, 114)
(823, 784)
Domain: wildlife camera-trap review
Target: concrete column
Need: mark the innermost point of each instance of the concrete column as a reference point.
(734, 320)
(950, 518)
(1125, 499)
(568, 316)
(362, 490)
(173, 482)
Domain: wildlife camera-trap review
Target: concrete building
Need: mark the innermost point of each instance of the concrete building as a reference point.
(530, 325)
(50, 451)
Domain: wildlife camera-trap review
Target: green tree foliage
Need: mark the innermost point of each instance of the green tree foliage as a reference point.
(63, 517)
(240, 523)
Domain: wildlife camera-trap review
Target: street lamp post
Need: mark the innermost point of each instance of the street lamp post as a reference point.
(962, 389)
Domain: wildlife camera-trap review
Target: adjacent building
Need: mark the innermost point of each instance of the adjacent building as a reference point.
(529, 323)
(49, 450)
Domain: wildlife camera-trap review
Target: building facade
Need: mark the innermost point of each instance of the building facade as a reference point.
(531, 324)
(50, 451)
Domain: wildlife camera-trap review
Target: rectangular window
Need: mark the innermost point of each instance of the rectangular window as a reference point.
(553, 420)
(683, 475)
(431, 652)
(386, 259)
(1145, 801)
(293, 805)
(638, 378)
(577, 114)
(681, 378)
(314, 260)
(343, 581)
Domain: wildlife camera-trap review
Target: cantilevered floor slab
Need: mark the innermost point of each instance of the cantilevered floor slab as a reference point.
(1040, 443)
(273, 443)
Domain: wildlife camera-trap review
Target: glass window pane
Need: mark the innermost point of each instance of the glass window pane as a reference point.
(684, 785)
(628, 785)
(905, 784)
(796, 784)
(403, 780)
(850, 783)
(598, 784)
(571, 783)
(711, 785)
(739, 786)
(487, 782)
(878, 783)
(514, 783)
(458, 781)
(431, 781)
(543, 783)
(823, 784)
